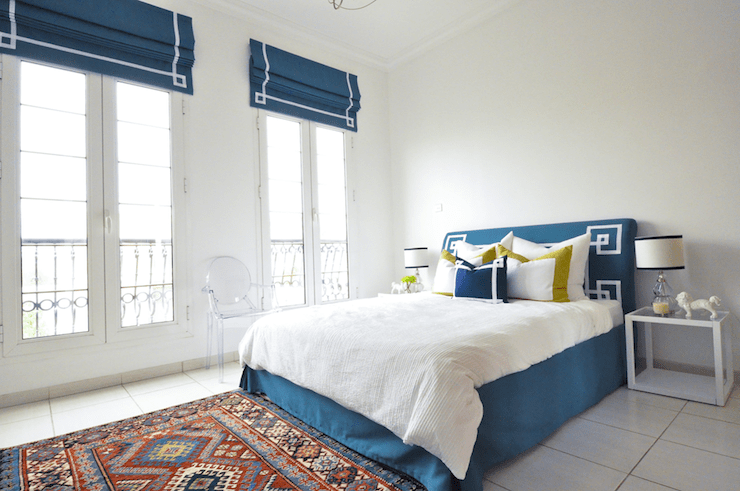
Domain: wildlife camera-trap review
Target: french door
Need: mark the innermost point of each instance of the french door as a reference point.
(87, 207)
(304, 210)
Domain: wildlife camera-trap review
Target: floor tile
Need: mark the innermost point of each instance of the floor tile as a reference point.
(545, 468)
(93, 415)
(706, 434)
(25, 431)
(624, 395)
(729, 413)
(688, 469)
(633, 483)
(601, 444)
(155, 384)
(24, 411)
(646, 420)
(161, 399)
(83, 399)
(232, 373)
(209, 378)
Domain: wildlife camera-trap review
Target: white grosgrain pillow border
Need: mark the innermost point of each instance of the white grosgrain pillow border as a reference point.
(487, 283)
(444, 276)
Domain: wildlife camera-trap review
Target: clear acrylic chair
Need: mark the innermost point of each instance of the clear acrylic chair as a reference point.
(228, 283)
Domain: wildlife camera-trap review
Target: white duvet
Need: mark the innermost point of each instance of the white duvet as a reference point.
(412, 362)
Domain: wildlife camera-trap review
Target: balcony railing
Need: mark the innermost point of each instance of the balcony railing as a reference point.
(55, 285)
(288, 275)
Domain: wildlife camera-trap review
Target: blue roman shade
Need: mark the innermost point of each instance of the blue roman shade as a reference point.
(123, 38)
(289, 84)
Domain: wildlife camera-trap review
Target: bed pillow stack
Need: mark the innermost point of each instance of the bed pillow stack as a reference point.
(532, 271)
(579, 259)
(446, 274)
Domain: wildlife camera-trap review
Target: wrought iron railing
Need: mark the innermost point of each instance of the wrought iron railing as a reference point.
(288, 274)
(146, 282)
(55, 285)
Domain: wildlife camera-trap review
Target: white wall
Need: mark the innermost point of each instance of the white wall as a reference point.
(572, 110)
(221, 159)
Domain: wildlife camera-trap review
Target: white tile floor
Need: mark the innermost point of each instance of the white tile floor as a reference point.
(45, 419)
(631, 441)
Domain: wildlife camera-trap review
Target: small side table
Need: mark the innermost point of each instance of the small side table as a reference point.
(701, 388)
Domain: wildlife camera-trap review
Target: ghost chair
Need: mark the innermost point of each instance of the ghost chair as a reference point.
(228, 284)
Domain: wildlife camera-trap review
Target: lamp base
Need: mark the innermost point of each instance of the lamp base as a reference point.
(663, 303)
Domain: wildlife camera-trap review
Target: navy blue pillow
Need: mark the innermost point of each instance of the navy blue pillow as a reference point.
(486, 282)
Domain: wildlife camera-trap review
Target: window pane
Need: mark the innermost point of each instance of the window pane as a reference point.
(285, 180)
(332, 214)
(139, 144)
(286, 227)
(53, 201)
(52, 88)
(143, 105)
(284, 163)
(53, 177)
(145, 223)
(286, 196)
(143, 184)
(145, 205)
(53, 220)
(284, 134)
(53, 132)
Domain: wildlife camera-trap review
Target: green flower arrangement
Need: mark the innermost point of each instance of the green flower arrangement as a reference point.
(408, 281)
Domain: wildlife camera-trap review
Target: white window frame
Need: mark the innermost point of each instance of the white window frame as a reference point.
(103, 251)
(311, 239)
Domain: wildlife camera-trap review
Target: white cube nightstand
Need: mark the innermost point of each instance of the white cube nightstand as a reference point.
(701, 388)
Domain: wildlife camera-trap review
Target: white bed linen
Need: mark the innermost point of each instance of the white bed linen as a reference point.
(412, 362)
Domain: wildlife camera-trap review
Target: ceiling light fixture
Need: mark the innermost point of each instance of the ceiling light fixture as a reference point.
(337, 4)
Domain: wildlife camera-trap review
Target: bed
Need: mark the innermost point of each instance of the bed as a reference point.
(519, 409)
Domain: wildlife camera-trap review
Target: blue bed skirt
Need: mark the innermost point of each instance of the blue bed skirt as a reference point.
(519, 411)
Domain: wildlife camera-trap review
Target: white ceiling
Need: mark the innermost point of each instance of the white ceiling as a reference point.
(385, 33)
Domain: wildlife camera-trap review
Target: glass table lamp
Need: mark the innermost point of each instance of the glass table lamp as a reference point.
(415, 258)
(661, 253)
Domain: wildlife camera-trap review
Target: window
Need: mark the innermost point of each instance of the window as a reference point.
(88, 207)
(304, 201)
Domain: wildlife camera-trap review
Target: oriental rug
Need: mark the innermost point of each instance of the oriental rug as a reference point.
(232, 441)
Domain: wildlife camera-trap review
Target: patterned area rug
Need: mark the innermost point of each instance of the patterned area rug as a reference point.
(233, 441)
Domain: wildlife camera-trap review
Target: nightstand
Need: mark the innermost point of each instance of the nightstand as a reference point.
(709, 389)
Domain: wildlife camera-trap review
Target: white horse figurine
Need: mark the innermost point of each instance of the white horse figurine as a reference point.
(688, 304)
(396, 287)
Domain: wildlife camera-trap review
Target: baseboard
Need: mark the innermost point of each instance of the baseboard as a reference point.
(52, 392)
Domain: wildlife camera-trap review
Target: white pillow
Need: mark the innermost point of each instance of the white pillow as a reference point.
(444, 277)
(474, 253)
(578, 262)
(532, 280)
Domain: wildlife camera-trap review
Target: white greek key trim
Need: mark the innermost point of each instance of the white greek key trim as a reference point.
(603, 240)
(262, 97)
(9, 40)
(451, 245)
(603, 293)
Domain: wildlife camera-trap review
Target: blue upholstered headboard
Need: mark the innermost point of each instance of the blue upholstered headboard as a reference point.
(611, 261)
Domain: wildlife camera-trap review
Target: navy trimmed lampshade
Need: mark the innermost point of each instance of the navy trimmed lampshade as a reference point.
(415, 257)
(659, 252)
